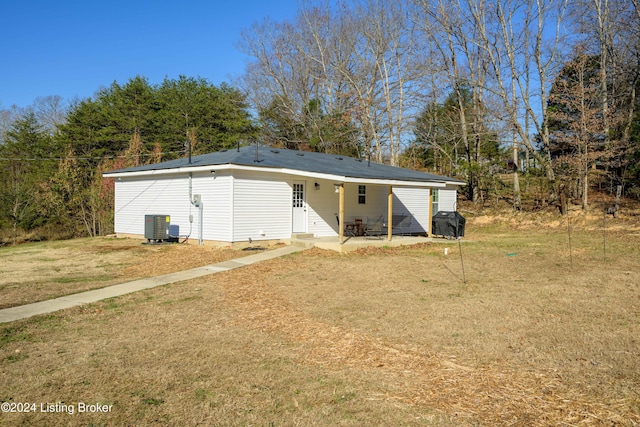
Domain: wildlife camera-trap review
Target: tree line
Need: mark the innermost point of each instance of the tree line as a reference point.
(470, 88)
(52, 156)
(534, 102)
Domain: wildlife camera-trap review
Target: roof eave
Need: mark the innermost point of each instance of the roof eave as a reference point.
(308, 174)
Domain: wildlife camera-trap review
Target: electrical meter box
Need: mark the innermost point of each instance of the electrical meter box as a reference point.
(156, 227)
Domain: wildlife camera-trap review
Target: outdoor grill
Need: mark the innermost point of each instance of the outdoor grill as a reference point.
(448, 224)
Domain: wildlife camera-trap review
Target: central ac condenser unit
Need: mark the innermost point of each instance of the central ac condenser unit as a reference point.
(156, 227)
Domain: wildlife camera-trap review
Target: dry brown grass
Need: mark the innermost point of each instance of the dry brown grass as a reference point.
(378, 337)
(39, 271)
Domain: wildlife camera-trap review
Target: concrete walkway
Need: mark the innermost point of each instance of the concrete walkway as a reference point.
(50, 306)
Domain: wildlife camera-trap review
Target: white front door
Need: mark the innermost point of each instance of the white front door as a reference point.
(299, 208)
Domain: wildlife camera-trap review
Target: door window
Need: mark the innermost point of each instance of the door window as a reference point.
(298, 195)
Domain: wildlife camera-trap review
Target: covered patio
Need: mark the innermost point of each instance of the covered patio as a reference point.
(386, 223)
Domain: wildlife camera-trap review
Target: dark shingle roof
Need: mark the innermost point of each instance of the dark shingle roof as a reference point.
(296, 160)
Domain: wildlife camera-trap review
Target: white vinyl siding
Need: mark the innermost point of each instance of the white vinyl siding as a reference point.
(136, 198)
(414, 202)
(322, 207)
(375, 206)
(261, 206)
(169, 195)
(448, 199)
(216, 199)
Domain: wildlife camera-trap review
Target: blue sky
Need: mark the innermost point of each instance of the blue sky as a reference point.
(73, 48)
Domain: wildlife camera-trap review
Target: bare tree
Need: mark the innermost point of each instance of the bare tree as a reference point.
(389, 40)
(610, 31)
(51, 112)
(279, 77)
(7, 118)
(510, 67)
(512, 42)
(356, 71)
(330, 93)
(345, 68)
(444, 26)
(452, 28)
(508, 51)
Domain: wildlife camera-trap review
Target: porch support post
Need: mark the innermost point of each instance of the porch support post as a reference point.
(390, 213)
(341, 215)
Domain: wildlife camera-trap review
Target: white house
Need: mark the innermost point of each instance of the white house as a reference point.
(260, 193)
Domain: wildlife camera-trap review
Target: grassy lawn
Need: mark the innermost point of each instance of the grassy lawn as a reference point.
(38, 271)
(540, 333)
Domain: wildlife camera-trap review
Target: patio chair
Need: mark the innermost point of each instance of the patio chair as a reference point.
(358, 226)
(349, 229)
(401, 222)
(373, 228)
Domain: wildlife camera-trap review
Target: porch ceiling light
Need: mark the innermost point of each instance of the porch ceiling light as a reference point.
(336, 187)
